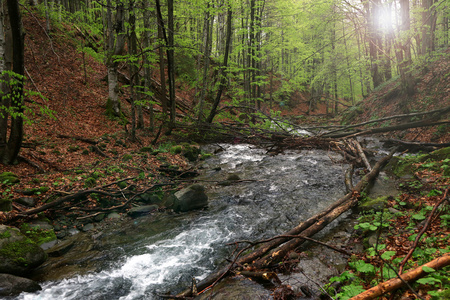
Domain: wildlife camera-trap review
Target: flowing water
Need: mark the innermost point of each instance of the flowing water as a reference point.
(275, 194)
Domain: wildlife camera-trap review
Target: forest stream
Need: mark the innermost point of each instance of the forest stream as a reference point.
(159, 253)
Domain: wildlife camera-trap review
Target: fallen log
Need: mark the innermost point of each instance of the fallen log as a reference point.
(362, 155)
(424, 123)
(436, 113)
(334, 209)
(414, 146)
(410, 276)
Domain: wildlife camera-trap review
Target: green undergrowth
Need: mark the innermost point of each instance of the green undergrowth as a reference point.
(389, 226)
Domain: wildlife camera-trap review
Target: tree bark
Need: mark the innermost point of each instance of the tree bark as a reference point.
(115, 45)
(224, 66)
(9, 149)
(410, 276)
(171, 64)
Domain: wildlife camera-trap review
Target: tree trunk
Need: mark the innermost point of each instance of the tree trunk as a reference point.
(10, 148)
(405, 59)
(395, 283)
(171, 64)
(206, 58)
(133, 69)
(224, 66)
(147, 67)
(115, 46)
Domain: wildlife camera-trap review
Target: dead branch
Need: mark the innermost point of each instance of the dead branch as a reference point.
(70, 197)
(410, 276)
(419, 235)
(291, 237)
(31, 163)
(348, 178)
(362, 155)
(441, 111)
(424, 123)
(414, 146)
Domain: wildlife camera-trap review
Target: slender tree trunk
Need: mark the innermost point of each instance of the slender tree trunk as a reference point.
(5, 65)
(115, 46)
(147, 67)
(206, 58)
(133, 69)
(171, 64)
(352, 96)
(9, 150)
(224, 66)
(405, 59)
(445, 26)
(162, 33)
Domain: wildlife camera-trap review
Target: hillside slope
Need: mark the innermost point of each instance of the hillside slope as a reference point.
(432, 92)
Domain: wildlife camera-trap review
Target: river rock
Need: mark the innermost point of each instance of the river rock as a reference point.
(27, 201)
(142, 210)
(18, 254)
(190, 198)
(11, 285)
(5, 204)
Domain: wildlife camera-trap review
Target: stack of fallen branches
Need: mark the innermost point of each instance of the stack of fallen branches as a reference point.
(270, 253)
(432, 118)
(124, 199)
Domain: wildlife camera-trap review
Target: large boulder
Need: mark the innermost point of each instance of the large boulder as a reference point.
(18, 254)
(11, 285)
(190, 198)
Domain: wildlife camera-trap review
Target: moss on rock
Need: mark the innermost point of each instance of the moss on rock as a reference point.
(18, 253)
(9, 178)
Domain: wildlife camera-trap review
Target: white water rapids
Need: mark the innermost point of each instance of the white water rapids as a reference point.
(282, 190)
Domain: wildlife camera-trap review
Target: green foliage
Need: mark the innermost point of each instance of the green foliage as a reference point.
(36, 234)
(362, 267)
(90, 182)
(9, 178)
(353, 288)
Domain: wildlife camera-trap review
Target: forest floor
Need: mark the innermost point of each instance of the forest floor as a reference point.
(68, 118)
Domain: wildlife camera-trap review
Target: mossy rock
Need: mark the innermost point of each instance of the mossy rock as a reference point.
(127, 157)
(440, 154)
(191, 152)
(9, 178)
(370, 204)
(5, 204)
(190, 198)
(401, 167)
(146, 150)
(177, 149)
(37, 234)
(18, 254)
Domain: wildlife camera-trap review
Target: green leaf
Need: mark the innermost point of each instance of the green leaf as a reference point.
(350, 291)
(388, 255)
(388, 273)
(363, 267)
(418, 217)
(428, 280)
(428, 269)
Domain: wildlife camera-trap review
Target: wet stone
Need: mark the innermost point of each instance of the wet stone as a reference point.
(26, 201)
(11, 285)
